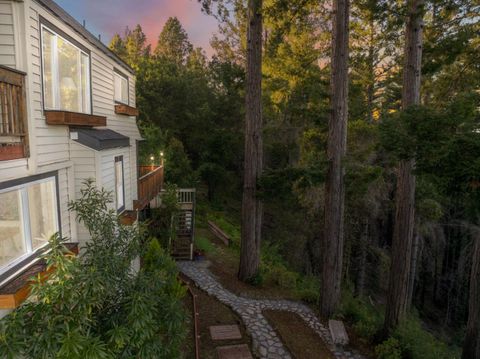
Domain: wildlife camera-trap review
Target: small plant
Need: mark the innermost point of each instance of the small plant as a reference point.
(389, 349)
(256, 280)
(204, 245)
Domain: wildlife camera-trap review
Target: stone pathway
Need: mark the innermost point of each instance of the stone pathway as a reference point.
(266, 342)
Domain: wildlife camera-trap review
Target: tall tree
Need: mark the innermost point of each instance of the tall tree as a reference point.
(173, 43)
(336, 151)
(132, 48)
(397, 300)
(253, 165)
(471, 345)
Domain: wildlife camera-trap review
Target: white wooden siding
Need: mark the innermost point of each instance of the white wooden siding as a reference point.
(7, 39)
(84, 167)
(107, 166)
(50, 146)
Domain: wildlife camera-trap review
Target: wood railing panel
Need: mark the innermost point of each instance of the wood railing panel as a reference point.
(13, 115)
(149, 185)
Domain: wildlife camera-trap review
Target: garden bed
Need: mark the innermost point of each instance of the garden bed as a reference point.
(301, 340)
(212, 312)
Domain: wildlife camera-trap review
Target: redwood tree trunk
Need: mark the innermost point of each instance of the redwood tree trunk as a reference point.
(397, 300)
(471, 346)
(332, 260)
(251, 205)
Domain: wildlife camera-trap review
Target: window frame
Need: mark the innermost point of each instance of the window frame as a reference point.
(44, 23)
(23, 184)
(121, 74)
(119, 159)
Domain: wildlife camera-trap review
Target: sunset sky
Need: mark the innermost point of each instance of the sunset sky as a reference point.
(107, 17)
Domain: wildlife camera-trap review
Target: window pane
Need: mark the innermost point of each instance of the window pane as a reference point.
(69, 76)
(118, 87)
(43, 212)
(47, 50)
(121, 88)
(66, 75)
(119, 184)
(12, 242)
(85, 75)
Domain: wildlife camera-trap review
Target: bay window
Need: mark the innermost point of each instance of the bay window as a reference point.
(66, 74)
(28, 218)
(121, 88)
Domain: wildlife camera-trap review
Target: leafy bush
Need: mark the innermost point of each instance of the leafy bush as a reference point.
(281, 276)
(389, 349)
(308, 289)
(95, 306)
(162, 225)
(417, 343)
(365, 319)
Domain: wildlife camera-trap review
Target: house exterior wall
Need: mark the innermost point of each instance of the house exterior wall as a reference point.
(7, 39)
(50, 146)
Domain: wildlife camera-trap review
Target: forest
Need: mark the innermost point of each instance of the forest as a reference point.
(344, 138)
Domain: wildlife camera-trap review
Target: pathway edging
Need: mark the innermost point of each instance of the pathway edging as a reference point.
(266, 342)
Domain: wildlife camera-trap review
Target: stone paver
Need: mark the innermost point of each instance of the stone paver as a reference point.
(265, 340)
(234, 352)
(225, 332)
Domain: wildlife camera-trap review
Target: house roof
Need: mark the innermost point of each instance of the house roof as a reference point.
(75, 25)
(99, 140)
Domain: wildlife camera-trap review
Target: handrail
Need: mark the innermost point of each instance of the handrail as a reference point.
(149, 186)
(186, 195)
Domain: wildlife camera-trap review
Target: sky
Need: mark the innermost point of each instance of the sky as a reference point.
(107, 17)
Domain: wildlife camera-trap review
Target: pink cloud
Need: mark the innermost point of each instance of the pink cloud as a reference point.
(112, 16)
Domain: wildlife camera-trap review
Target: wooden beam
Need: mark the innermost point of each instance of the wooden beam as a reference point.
(122, 109)
(74, 119)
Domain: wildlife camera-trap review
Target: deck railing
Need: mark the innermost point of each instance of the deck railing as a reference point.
(186, 195)
(13, 114)
(149, 185)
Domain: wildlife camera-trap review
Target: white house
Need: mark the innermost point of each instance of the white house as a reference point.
(67, 113)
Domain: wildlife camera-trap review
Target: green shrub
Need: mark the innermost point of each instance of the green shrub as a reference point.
(417, 343)
(94, 306)
(308, 289)
(365, 319)
(204, 244)
(278, 274)
(256, 280)
(389, 349)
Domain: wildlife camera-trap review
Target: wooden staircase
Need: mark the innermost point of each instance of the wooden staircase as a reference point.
(182, 247)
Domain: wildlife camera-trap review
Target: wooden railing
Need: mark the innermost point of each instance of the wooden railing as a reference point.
(149, 185)
(13, 114)
(186, 195)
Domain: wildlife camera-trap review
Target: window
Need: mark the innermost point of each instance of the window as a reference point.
(119, 184)
(121, 88)
(66, 74)
(28, 218)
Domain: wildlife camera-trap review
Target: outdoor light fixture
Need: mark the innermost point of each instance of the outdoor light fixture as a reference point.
(161, 154)
(152, 158)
